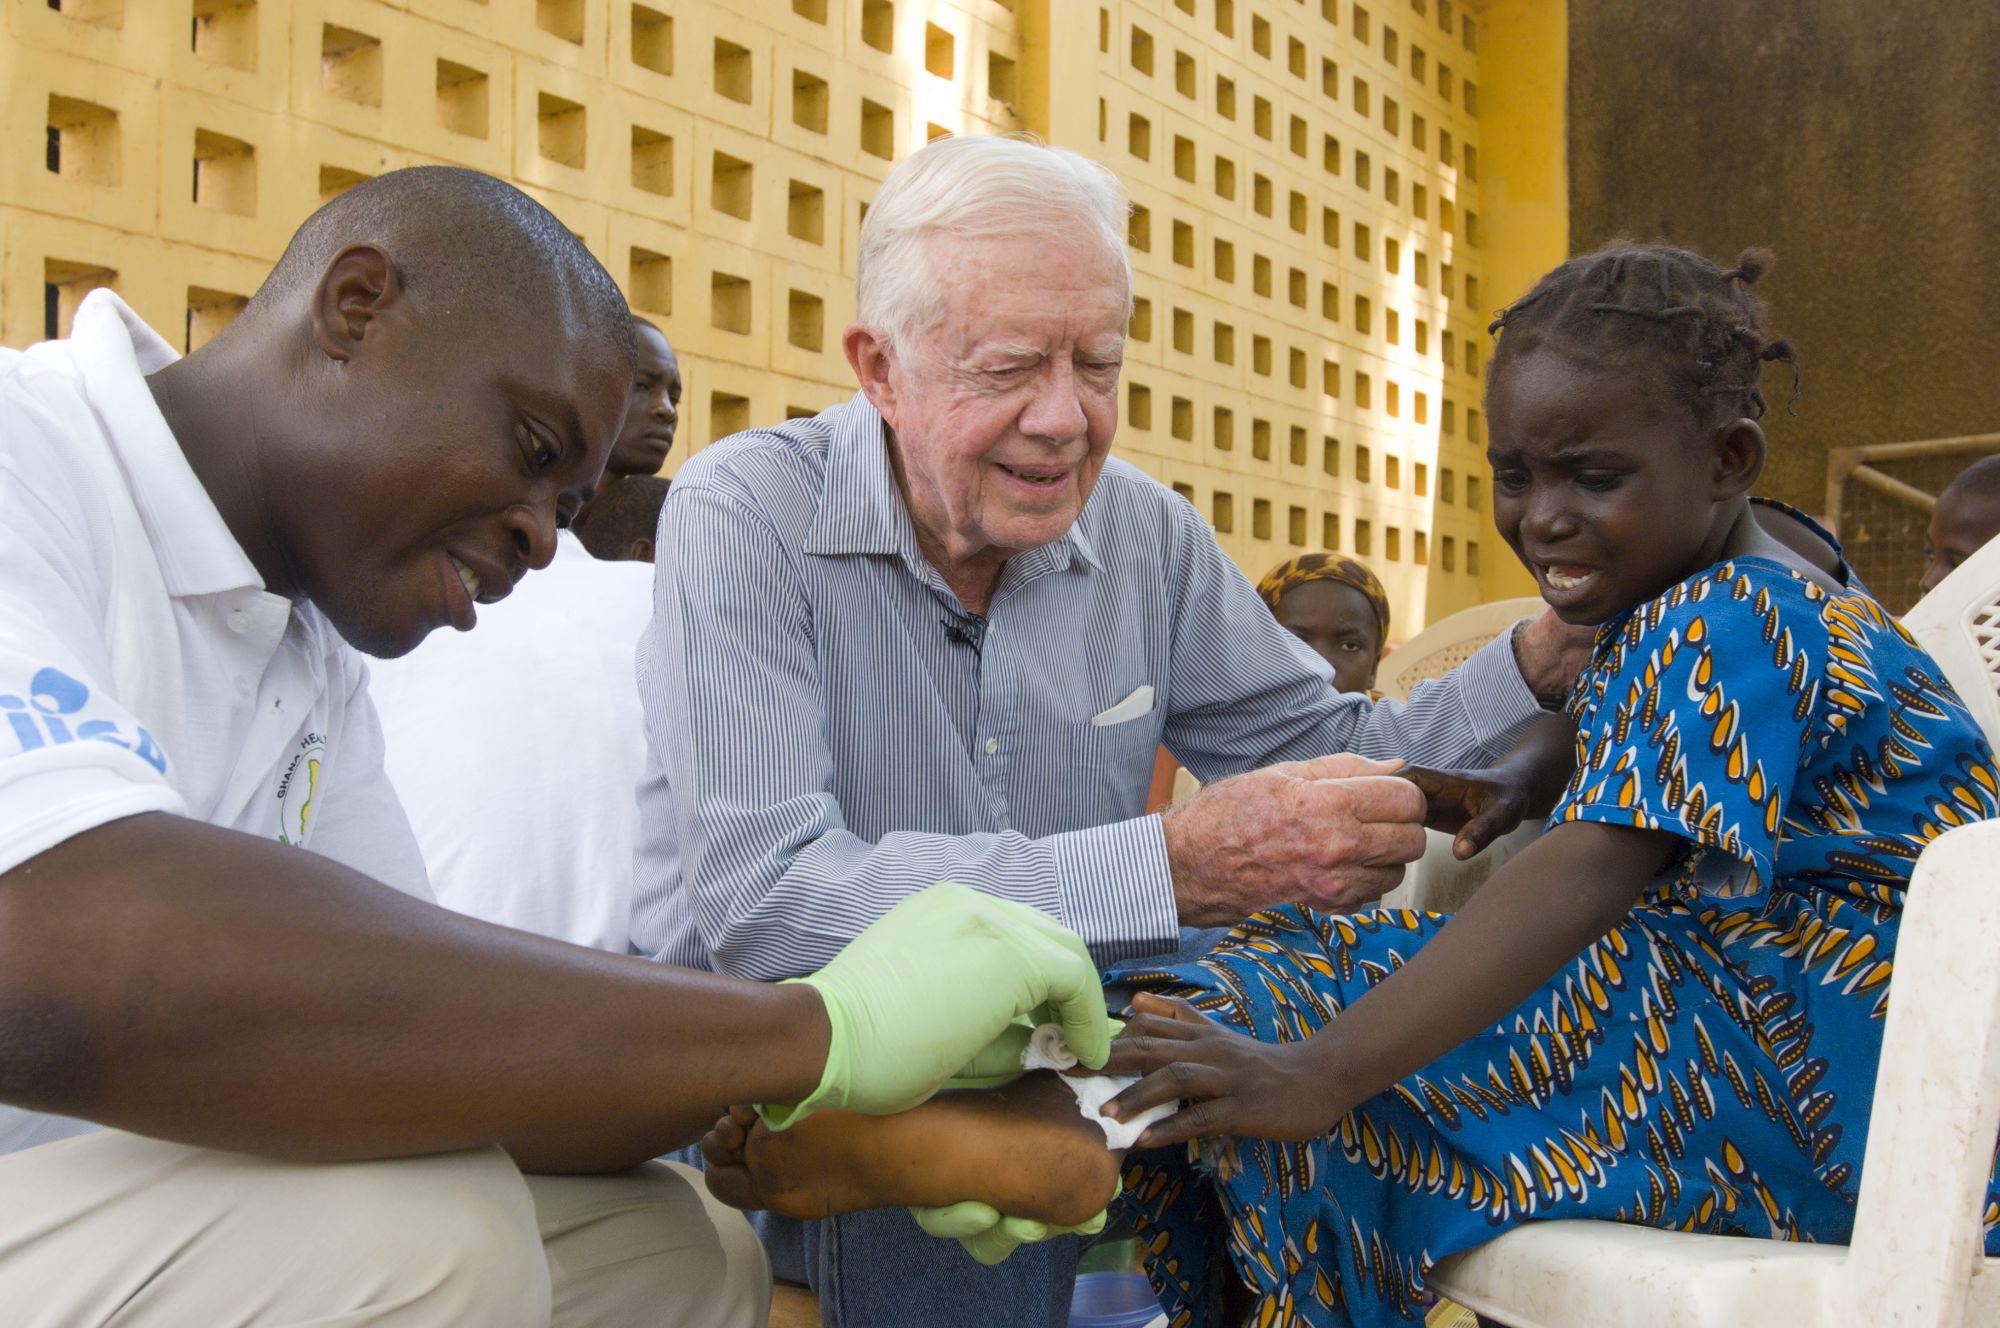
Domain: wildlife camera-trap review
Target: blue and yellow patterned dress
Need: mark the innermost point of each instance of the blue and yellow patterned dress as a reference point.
(1707, 1066)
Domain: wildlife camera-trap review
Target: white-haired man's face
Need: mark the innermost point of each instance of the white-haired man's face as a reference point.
(1003, 412)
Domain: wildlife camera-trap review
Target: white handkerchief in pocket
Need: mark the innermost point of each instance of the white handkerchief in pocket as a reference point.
(1140, 702)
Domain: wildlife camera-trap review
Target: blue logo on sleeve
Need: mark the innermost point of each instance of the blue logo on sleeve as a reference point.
(48, 719)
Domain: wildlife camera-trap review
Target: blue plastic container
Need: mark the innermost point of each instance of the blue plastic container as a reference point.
(1113, 1300)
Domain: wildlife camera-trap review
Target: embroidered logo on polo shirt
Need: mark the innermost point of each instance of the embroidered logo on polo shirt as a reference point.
(53, 713)
(298, 790)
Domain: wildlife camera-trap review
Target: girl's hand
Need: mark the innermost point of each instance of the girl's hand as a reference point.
(1232, 1084)
(1475, 806)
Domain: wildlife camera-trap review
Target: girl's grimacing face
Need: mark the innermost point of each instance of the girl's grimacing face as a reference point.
(1605, 501)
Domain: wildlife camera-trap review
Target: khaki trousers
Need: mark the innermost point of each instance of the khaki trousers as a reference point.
(117, 1231)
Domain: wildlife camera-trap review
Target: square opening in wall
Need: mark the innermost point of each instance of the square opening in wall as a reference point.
(1184, 244)
(731, 185)
(1138, 406)
(733, 78)
(1260, 439)
(809, 101)
(1298, 445)
(461, 99)
(1329, 530)
(83, 141)
(727, 414)
(940, 51)
(1140, 327)
(878, 24)
(1139, 137)
(805, 213)
(653, 40)
(103, 13)
(1296, 527)
(225, 173)
(561, 18)
(1260, 518)
(878, 130)
(561, 130)
(651, 281)
(1181, 419)
(812, 11)
(806, 320)
(1183, 331)
(1222, 429)
(729, 303)
(224, 32)
(335, 181)
(208, 312)
(652, 161)
(64, 284)
(350, 64)
(1139, 230)
(1224, 510)
(1002, 78)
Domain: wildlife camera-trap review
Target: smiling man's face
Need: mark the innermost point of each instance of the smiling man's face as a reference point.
(1003, 412)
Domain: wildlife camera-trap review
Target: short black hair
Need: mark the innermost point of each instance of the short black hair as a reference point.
(463, 240)
(1666, 312)
(1980, 480)
(627, 510)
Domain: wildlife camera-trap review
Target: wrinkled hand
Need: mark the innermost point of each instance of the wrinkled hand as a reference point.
(929, 987)
(1231, 1083)
(1332, 833)
(1551, 653)
(1476, 807)
(987, 1235)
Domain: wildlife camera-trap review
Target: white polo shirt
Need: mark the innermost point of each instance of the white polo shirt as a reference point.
(517, 749)
(143, 667)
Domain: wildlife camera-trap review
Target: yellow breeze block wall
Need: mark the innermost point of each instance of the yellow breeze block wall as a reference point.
(716, 157)
(1305, 353)
(1306, 347)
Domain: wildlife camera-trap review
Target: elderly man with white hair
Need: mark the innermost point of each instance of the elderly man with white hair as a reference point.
(937, 633)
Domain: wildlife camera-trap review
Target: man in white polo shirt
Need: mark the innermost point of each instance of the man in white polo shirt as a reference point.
(215, 937)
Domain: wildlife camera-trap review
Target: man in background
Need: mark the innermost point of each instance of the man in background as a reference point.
(1966, 516)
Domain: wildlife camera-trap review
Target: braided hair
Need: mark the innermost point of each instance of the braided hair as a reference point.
(1691, 327)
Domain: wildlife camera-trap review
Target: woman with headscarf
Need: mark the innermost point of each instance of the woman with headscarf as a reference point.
(1338, 608)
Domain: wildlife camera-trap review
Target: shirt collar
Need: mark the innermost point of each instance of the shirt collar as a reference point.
(113, 351)
(861, 512)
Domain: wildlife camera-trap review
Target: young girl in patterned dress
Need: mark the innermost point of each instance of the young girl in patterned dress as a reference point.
(1668, 1009)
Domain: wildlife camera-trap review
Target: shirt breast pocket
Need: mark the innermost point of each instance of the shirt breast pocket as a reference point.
(1111, 768)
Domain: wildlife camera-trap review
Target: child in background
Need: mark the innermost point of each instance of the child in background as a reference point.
(1668, 1009)
(1967, 515)
(1338, 608)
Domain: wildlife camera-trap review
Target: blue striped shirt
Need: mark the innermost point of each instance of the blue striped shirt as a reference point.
(828, 731)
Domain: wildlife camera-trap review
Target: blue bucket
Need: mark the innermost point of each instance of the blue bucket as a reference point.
(1113, 1300)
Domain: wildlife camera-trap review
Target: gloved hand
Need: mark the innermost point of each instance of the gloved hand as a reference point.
(1000, 1061)
(989, 1237)
(930, 986)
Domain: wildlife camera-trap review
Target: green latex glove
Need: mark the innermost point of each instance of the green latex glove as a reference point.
(927, 990)
(989, 1237)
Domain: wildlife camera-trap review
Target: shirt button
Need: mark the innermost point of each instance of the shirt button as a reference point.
(239, 621)
(992, 746)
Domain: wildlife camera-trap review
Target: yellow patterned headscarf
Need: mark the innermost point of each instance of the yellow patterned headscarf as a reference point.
(1295, 572)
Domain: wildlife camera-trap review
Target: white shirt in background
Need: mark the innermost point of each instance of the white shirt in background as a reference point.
(143, 666)
(517, 748)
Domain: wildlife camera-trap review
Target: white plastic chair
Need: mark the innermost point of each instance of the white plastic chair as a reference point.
(1915, 1261)
(1959, 623)
(1448, 643)
(1437, 881)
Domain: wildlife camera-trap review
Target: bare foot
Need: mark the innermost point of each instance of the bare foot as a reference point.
(1022, 1148)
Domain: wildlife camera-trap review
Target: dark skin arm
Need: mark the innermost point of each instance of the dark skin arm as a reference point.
(1479, 806)
(174, 979)
(1537, 914)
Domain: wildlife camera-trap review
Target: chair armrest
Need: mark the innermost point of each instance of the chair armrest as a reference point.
(1937, 1093)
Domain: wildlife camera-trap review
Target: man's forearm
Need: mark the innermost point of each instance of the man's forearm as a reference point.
(174, 979)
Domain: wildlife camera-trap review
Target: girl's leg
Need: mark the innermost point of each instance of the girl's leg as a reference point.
(1023, 1148)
